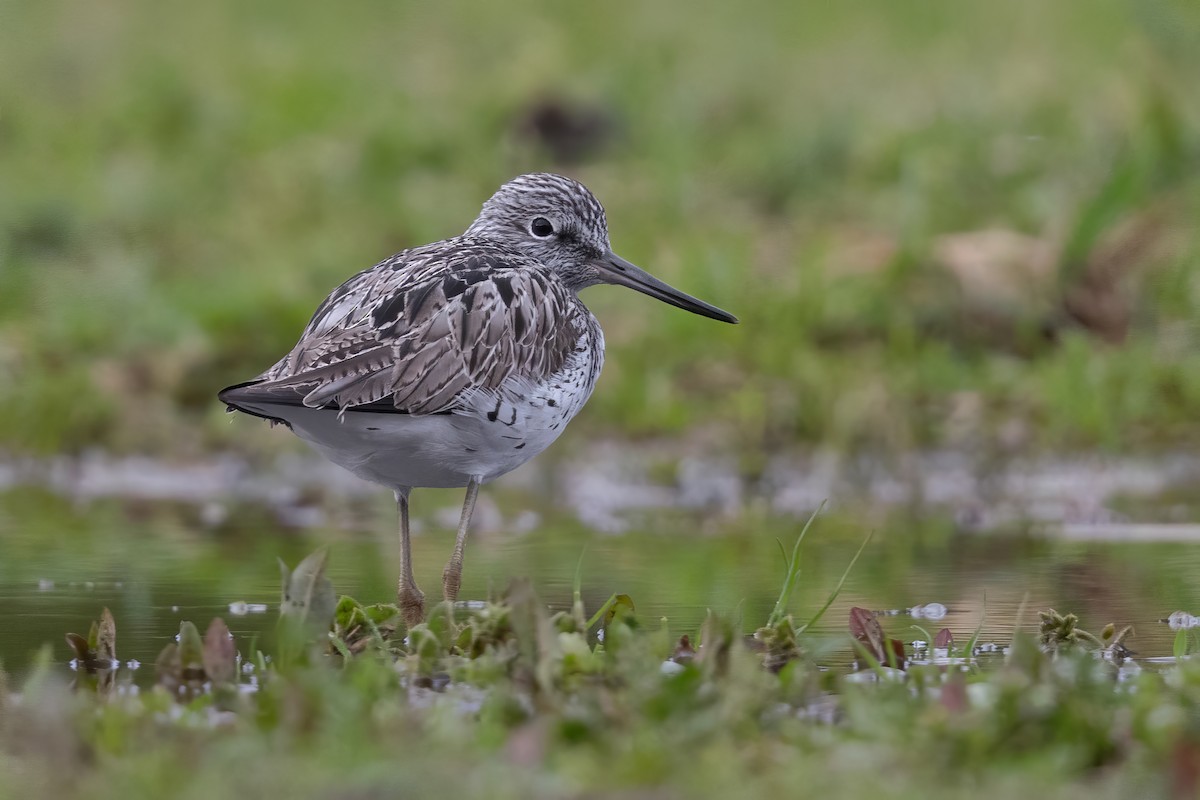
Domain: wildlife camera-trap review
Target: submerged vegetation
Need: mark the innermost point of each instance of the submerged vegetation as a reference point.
(505, 699)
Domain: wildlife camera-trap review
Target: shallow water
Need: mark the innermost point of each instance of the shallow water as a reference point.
(157, 559)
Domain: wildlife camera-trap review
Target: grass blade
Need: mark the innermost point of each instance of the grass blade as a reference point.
(577, 593)
(599, 615)
(793, 572)
(837, 589)
(970, 651)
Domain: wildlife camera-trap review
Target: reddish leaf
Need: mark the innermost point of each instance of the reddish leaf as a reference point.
(944, 639)
(954, 694)
(898, 660)
(1185, 768)
(684, 652)
(219, 655)
(866, 628)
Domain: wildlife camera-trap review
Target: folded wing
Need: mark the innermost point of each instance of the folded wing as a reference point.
(422, 334)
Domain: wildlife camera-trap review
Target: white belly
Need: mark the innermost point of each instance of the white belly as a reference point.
(440, 450)
(491, 433)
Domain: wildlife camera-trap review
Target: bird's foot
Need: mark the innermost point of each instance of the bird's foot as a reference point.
(451, 581)
(412, 605)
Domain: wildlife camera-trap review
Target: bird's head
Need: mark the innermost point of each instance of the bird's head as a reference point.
(558, 222)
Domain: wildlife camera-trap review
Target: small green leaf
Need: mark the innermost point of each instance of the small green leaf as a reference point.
(621, 606)
(346, 614)
(357, 626)
(379, 613)
(191, 648)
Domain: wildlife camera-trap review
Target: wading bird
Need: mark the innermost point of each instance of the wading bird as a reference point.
(451, 364)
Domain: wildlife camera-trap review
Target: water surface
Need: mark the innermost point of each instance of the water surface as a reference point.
(156, 562)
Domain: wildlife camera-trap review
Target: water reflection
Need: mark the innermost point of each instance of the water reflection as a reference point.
(156, 563)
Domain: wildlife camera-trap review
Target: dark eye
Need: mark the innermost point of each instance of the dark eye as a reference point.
(541, 227)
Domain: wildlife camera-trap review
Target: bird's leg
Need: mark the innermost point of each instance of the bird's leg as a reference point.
(452, 574)
(410, 599)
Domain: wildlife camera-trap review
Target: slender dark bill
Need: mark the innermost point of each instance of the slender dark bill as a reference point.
(614, 269)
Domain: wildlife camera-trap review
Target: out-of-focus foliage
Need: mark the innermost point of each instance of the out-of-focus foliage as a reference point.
(511, 701)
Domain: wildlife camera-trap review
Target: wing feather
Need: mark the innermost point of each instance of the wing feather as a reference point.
(430, 329)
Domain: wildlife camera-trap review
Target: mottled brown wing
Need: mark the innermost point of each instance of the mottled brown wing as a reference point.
(429, 334)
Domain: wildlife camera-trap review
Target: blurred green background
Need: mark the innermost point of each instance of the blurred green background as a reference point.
(941, 223)
(949, 229)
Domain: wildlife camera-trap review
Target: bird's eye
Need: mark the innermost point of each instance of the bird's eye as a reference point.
(541, 227)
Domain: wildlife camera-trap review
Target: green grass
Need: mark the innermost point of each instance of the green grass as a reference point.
(183, 184)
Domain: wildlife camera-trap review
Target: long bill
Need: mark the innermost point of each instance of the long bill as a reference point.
(614, 269)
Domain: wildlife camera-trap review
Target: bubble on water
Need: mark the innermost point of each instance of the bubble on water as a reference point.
(175, 609)
(239, 608)
(256, 608)
(45, 585)
(471, 605)
(1181, 620)
(928, 611)
(89, 585)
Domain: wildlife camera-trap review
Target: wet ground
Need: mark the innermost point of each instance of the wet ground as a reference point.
(1114, 541)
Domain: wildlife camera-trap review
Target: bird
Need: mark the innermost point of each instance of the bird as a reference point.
(453, 363)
